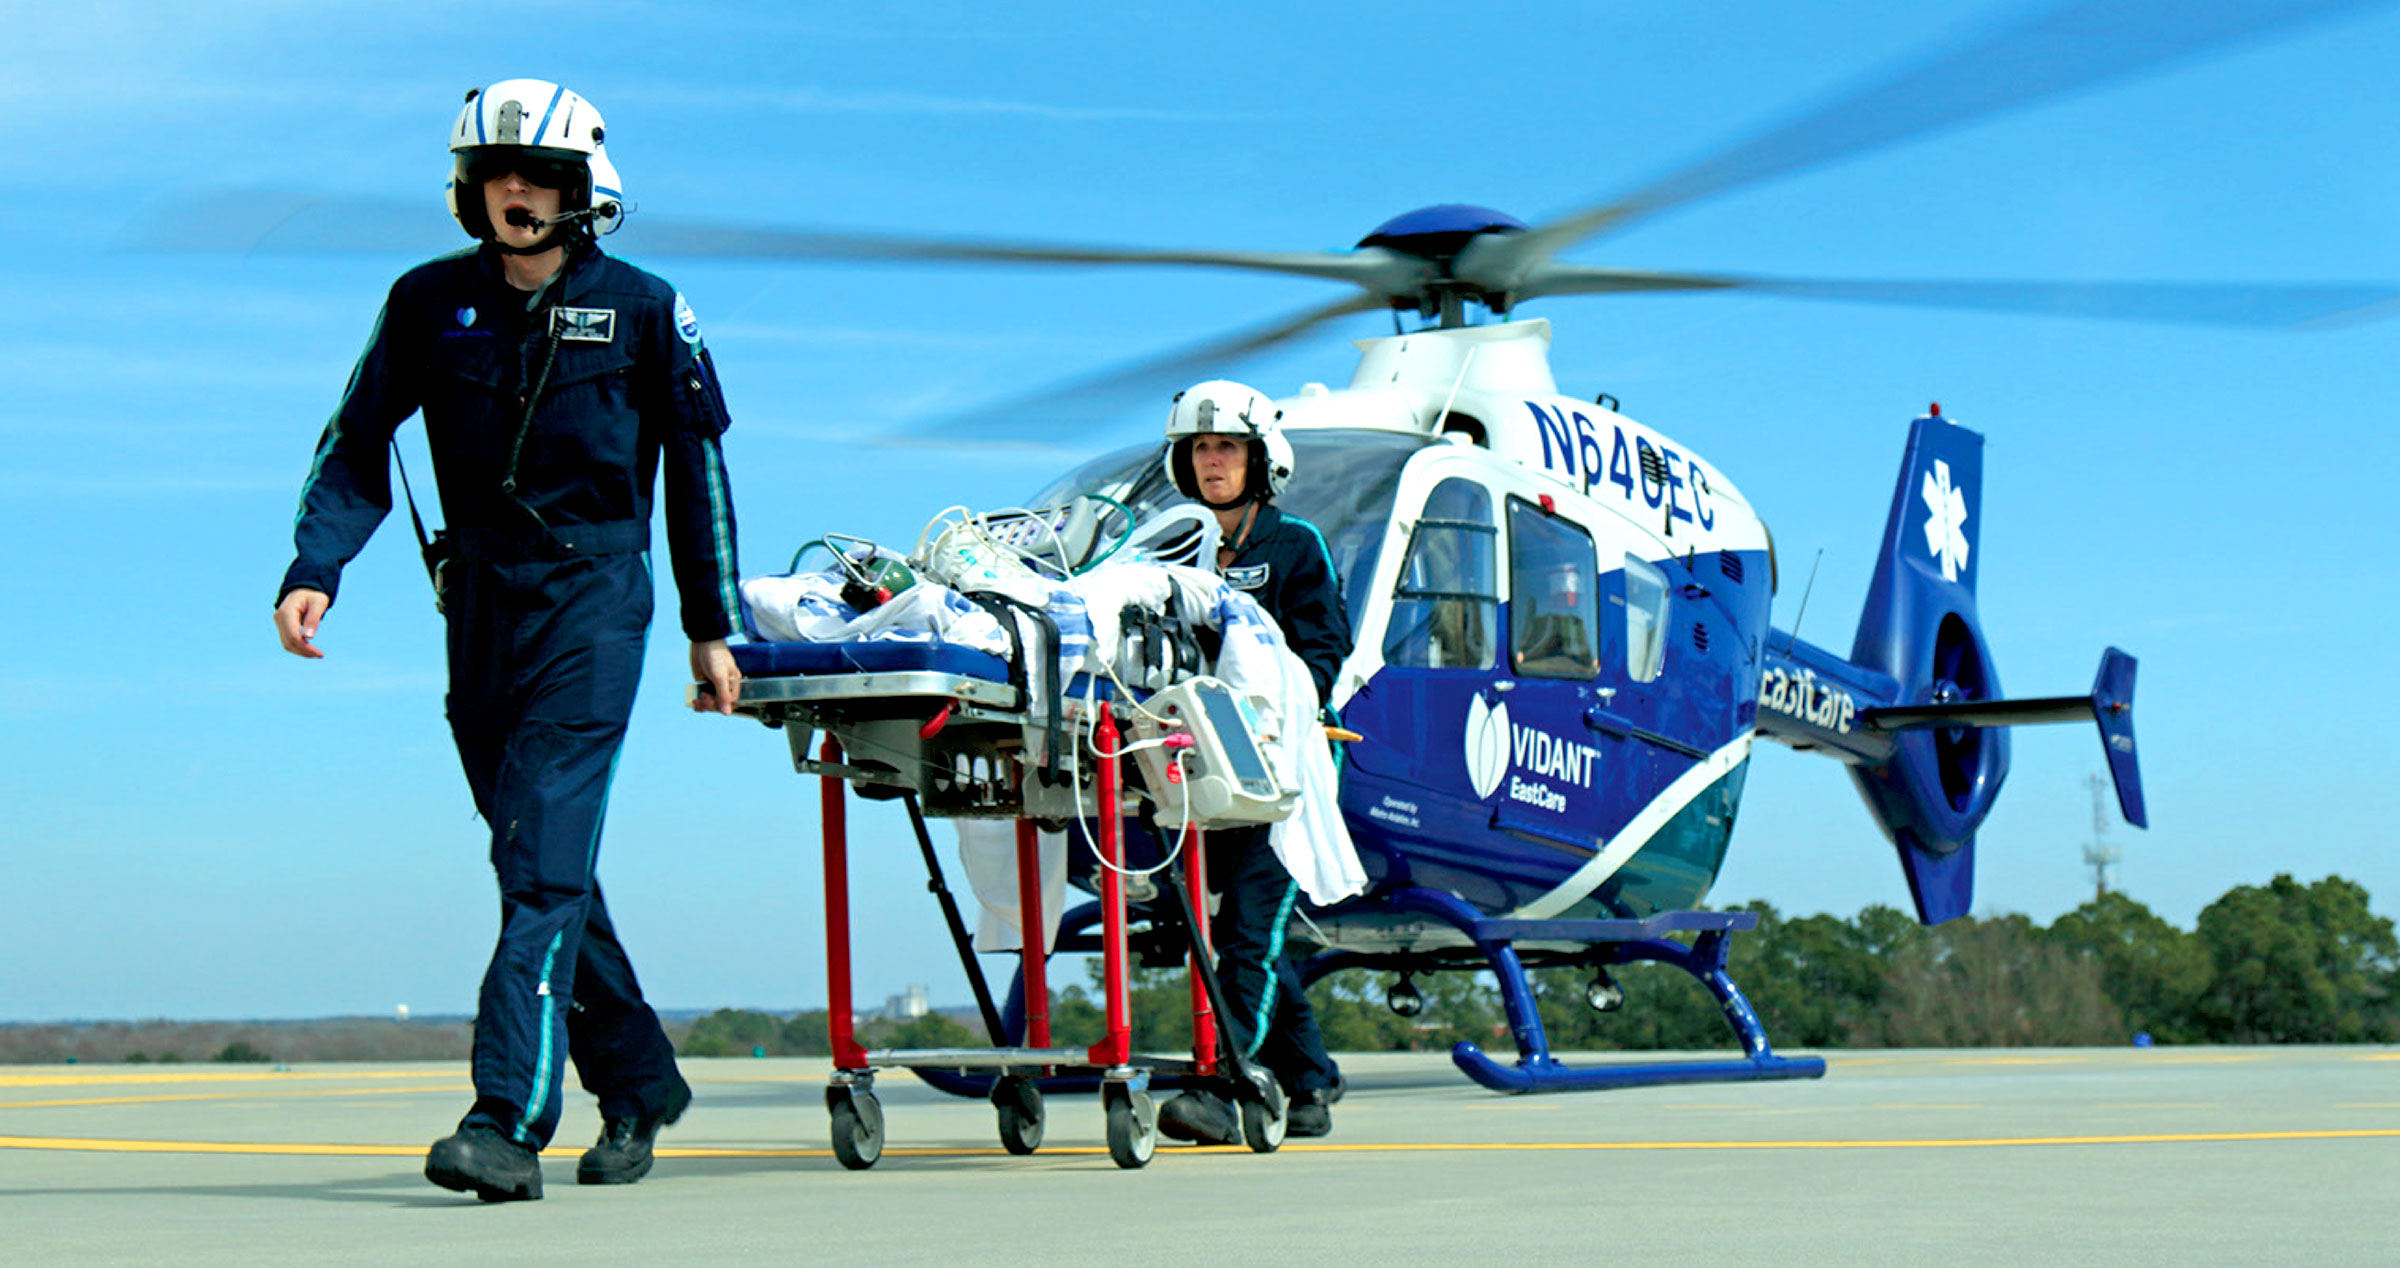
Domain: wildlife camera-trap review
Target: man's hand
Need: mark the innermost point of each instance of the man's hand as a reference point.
(720, 683)
(297, 616)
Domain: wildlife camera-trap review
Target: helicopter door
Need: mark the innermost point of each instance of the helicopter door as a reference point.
(1553, 789)
(1416, 792)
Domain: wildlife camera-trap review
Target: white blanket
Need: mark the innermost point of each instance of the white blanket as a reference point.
(1314, 844)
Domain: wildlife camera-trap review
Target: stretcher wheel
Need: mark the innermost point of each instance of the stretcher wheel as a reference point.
(1263, 1119)
(1132, 1126)
(857, 1126)
(1019, 1104)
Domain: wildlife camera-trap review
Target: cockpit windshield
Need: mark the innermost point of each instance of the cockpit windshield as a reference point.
(1342, 482)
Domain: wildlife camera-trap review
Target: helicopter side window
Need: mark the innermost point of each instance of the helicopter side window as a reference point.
(1445, 607)
(1645, 619)
(1554, 595)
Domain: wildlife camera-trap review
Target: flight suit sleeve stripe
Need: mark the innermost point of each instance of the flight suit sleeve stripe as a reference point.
(717, 499)
(1323, 550)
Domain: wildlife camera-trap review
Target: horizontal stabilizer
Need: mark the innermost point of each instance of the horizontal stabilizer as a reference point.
(2110, 705)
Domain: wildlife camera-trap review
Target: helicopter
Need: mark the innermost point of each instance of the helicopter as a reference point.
(1565, 645)
(1564, 658)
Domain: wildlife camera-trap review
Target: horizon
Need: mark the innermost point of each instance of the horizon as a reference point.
(201, 823)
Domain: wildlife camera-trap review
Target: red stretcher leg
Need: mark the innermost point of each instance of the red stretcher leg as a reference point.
(1036, 975)
(1116, 1046)
(1204, 1018)
(847, 1055)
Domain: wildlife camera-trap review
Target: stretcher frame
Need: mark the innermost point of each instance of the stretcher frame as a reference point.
(839, 704)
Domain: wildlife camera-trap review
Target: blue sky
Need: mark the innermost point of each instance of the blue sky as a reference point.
(201, 826)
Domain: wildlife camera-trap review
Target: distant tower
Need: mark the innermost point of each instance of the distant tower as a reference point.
(907, 1007)
(2101, 854)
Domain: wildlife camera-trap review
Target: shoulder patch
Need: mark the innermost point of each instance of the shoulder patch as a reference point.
(686, 324)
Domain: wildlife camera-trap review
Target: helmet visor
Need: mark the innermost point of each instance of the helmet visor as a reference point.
(544, 168)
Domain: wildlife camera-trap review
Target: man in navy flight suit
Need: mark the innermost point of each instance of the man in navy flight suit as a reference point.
(553, 380)
(1226, 452)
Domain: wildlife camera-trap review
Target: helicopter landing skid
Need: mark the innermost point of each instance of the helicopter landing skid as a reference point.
(1611, 942)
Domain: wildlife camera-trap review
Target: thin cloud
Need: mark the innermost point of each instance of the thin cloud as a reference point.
(825, 101)
(36, 485)
(855, 337)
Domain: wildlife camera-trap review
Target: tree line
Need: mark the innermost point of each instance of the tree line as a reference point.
(2282, 962)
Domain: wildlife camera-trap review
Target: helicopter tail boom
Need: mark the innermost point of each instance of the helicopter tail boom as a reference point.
(1916, 710)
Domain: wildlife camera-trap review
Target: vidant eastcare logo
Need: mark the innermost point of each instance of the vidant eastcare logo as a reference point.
(1495, 748)
(1802, 696)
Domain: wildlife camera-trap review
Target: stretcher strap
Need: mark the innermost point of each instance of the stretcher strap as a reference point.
(1054, 698)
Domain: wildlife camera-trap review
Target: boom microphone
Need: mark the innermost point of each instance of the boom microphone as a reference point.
(524, 219)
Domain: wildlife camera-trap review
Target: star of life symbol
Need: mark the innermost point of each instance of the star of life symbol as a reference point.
(1946, 528)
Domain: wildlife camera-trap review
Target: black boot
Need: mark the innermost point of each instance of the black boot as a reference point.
(622, 1154)
(1201, 1117)
(1309, 1112)
(475, 1159)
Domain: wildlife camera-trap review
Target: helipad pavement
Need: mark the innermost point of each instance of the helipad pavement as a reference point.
(2184, 1156)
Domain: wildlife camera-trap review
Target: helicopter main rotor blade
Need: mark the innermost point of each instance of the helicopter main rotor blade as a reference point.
(245, 221)
(1069, 411)
(1373, 268)
(2267, 304)
(2024, 60)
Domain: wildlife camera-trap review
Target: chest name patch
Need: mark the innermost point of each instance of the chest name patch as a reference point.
(1252, 577)
(584, 325)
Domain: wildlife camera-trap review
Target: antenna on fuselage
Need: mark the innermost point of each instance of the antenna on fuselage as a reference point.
(1441, 421)
(1793, 639)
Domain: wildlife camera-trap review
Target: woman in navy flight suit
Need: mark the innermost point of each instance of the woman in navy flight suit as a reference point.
(1226, 453)
(555, 382)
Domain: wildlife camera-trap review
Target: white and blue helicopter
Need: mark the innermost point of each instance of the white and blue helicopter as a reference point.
(1565, 652)
(1565, 656)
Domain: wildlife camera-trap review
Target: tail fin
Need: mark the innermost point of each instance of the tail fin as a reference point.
(1920, 627)
(1916, 712)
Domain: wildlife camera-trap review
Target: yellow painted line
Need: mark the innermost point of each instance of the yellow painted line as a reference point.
(236, 1096)
(204, 1147)
(2013, 1060)
(195, 1076)
(295, 1148)
(2370, 1105)
(1993, 1142)
(2230, 1058)
(1921, 1105)
(2157, 1105)
(2382, 1056)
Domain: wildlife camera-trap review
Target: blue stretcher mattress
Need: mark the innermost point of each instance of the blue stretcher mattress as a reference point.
(885, 656)
(783, 660)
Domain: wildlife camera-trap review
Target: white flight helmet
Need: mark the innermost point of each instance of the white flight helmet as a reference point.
(1224, 408)
(520, 123)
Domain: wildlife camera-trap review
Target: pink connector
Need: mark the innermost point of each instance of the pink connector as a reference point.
(1178, 740)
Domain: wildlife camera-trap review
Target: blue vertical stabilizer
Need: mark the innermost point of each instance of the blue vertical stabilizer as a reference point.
(1920, 627)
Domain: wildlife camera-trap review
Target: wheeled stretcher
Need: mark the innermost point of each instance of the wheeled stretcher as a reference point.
(951, 731)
